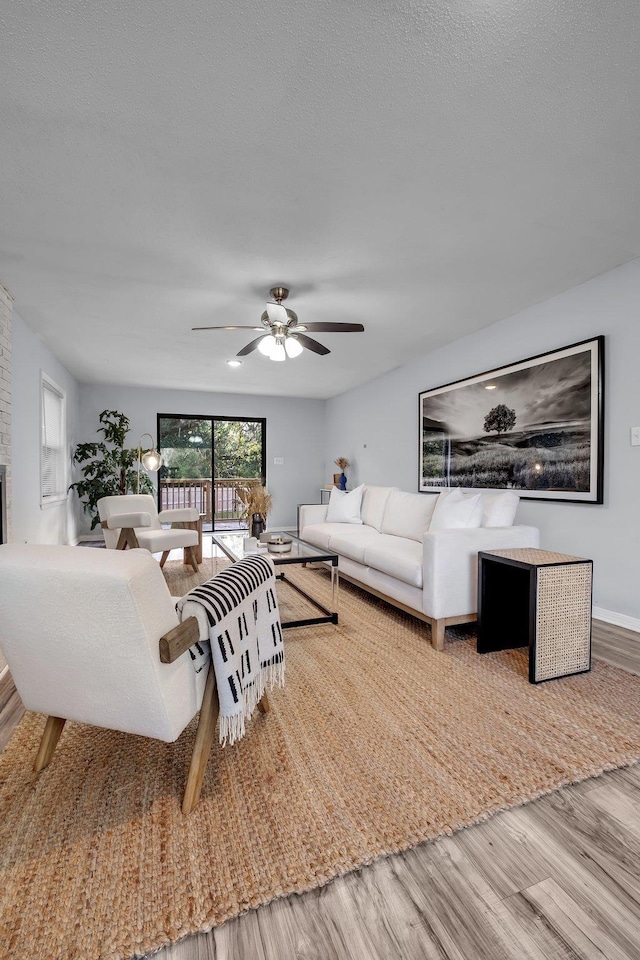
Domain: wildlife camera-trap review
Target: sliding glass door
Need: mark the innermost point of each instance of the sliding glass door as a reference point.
(204, 462)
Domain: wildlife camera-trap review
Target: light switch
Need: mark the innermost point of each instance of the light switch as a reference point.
(279, 461)
(635, 436)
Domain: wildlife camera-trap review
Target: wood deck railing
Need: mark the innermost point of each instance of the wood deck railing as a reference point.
(224, 504)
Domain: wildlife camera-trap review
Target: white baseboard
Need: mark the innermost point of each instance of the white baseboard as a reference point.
(4, 670)
(617, 619)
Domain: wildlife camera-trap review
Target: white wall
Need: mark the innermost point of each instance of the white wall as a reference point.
(376, 426)
(55, 523)
(295, 432)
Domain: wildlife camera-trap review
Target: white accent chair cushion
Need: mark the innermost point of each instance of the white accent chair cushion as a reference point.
(128, 520)
(408, 514)
(179, 515)
(157, 541)
(453, 511)
(345, 507)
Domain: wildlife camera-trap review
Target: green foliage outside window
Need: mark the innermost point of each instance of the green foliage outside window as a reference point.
(186, 449)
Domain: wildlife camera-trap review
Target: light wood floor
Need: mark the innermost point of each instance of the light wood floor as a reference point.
(557, 879)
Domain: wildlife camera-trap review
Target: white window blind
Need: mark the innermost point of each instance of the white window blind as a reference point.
(53, 472)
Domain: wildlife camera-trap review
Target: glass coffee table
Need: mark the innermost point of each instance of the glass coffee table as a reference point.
(232, 545)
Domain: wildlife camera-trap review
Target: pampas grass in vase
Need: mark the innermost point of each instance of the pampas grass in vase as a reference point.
(343, 463)
(257, 503)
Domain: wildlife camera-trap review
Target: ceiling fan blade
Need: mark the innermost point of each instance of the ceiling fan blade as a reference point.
(329, 327)
(277, 313)
(250, 347)
(312, 345)
(232, 326)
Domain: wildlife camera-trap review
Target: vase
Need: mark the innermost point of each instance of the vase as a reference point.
(342, 481)
(257, 526)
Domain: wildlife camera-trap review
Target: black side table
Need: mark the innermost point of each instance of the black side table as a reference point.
(537, 599)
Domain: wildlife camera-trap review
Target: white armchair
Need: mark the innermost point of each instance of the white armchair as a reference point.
(133, 521)
(93, 636)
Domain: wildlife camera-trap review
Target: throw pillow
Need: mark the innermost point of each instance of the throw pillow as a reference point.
(407, 514)
(374, 500)
(500, 509)
(454, 511)
(345, 507)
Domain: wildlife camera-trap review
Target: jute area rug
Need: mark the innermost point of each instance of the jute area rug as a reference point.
(376, 743)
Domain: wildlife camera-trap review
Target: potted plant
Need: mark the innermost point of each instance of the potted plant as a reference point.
(257, 503)
(109, 467)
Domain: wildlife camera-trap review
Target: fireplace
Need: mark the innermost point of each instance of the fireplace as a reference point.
(3, 504)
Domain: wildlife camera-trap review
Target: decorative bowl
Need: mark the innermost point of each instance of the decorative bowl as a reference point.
(279, 545)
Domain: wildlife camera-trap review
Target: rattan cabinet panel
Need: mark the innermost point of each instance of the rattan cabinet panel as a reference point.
(539, 599)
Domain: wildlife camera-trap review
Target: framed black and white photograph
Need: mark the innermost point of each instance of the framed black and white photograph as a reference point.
(535, 426)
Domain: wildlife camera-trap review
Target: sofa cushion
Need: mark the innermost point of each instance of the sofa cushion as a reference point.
(345, 507)
(397, 556)
(454, 511)
(499, 509)
(351, 542)
(408, 514)
(374, 501)
(319, 533)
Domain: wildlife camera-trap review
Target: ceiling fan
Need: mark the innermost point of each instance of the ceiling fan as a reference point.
(281, 333)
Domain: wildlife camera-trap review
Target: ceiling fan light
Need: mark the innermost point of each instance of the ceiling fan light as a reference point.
(293, 347)
(277, 313)
(278, 352)
(267, 345)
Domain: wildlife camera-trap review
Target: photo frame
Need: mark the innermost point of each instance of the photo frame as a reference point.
(535, 426)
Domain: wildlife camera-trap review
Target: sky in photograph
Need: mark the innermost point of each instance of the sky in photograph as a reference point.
(557, 391)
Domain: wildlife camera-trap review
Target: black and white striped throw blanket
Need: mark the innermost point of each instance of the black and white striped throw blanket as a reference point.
(244, 629)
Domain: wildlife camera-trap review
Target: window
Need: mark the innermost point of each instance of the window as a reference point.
(205, 459)
(53, 442)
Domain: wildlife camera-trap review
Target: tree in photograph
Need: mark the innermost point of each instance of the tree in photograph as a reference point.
(500, 419)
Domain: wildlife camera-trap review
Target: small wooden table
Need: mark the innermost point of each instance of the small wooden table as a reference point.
(539, 599)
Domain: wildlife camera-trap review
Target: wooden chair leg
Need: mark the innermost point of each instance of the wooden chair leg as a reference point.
(197, 550)
(199, 547)
(127, 538)
(163, 558)
(437, 634)
(263, 705)
(202, 747)
(49, 742)
(190, 557)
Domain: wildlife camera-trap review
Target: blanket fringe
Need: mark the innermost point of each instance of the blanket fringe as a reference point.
(233, 728)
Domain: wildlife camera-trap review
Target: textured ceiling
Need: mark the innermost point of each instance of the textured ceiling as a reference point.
(424, 167)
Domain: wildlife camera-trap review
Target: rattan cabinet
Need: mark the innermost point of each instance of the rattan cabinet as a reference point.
(540, 600)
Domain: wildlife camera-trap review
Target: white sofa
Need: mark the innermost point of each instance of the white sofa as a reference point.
(394, 555)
